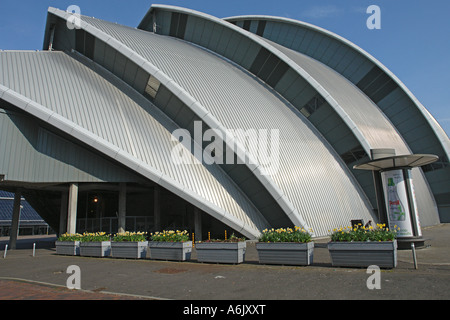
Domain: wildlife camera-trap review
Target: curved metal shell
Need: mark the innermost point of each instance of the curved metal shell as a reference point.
(73, 98)
(348, 59)
(300, 79)
(125, 91)
(319, 194)
(411, 121)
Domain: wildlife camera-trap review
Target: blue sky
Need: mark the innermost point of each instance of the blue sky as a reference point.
(413, 42)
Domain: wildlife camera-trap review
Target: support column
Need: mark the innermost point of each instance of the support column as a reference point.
(63, 212)
(157, 208)
(15, 220)
(376, 154)
(122, 207)
(197, 224)
(72, 208)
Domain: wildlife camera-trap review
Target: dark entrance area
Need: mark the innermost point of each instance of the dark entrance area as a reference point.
(149, 208)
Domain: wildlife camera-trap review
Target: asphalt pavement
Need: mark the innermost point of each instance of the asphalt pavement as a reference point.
(44, 276)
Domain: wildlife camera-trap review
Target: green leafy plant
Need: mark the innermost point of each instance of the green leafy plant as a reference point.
(70, 237)
(170, 236)
(362, 233)
(232, 238)
(95, 237)
(128, 236)
(295, 234)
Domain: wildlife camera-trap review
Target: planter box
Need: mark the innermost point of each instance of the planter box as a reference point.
(221, 252)
(71, 248)
(286, 253)
(132, 250)
(178, 251)
(363, 254)
(95, 249)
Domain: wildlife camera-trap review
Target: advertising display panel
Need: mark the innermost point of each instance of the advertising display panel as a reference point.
(395, 189)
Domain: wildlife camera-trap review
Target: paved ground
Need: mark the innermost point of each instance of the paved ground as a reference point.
(44, 276)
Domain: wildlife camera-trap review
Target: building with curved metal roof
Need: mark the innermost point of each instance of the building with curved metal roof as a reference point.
(30, 221)
(90, 124)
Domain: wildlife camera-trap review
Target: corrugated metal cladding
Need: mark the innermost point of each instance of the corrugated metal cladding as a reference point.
(108, 92)
(374, 126)
(310, 174)
(362, 70)
(352, 109)
(396, 121)
(31, 153)
(131, 123)
(363, 119)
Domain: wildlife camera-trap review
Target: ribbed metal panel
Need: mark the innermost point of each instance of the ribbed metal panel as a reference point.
(85, 98)
(365, 117)
(268, 198)
(368, 118)
(360, 114)
(310, 174)
(31, 153)
(354, 63)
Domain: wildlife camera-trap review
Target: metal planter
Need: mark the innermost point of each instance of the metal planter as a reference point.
(71, 248)
(221, 252)
(285, 253)
(95, 249)
(177, 251)
(363, 254)
(131, 250)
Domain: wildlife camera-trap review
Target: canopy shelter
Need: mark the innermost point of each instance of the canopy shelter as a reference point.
(397, 193)
(394, 162)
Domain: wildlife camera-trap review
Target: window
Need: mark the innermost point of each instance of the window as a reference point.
(312, 105)
(152, 87)
(353, 155)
